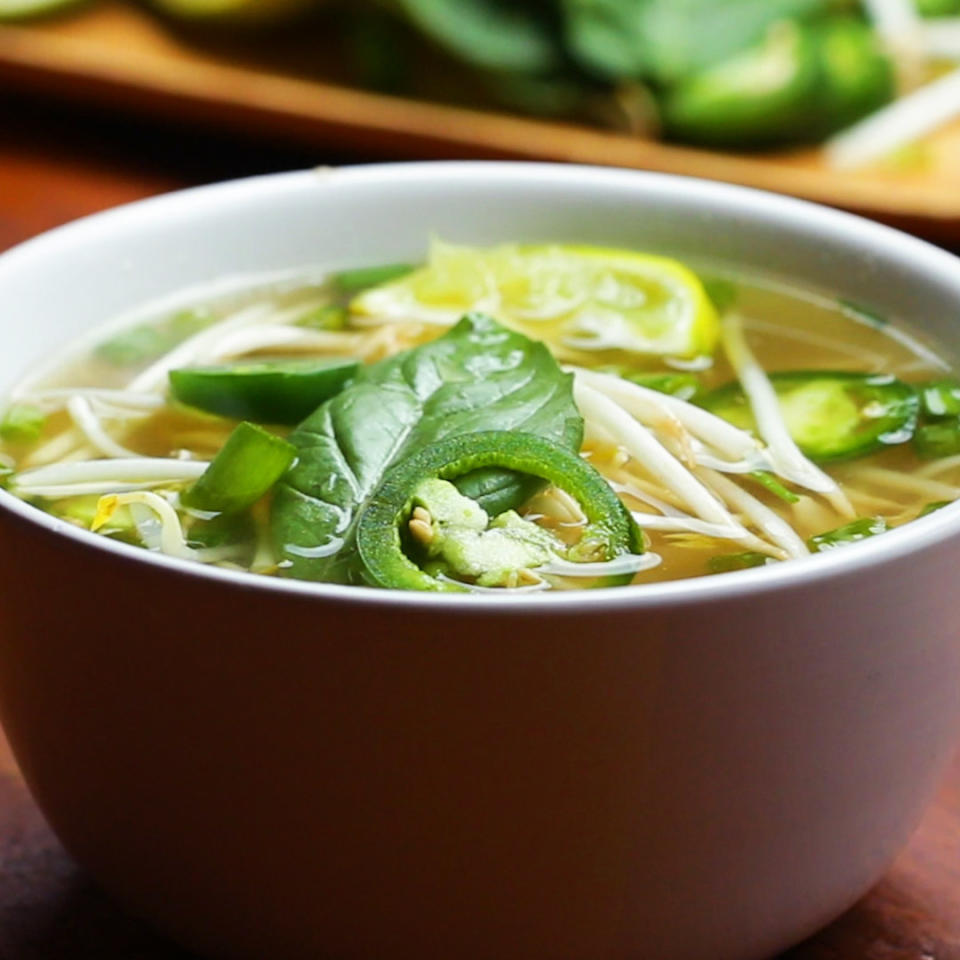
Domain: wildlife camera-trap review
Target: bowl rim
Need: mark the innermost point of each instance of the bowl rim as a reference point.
(895, 545)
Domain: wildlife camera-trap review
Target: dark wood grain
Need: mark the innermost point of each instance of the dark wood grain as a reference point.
(55, 166)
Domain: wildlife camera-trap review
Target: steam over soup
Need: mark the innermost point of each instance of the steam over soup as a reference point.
(507, 419)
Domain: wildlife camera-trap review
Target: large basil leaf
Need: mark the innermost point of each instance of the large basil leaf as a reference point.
(606, 36)
(668, 40)
(686, 36)
(494, 34)
(479, 376)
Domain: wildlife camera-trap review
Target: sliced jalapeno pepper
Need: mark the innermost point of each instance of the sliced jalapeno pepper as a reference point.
(857, 76)
(610, 529)
(830, 415)
(685, 386)
(278, 391)
(764, 95)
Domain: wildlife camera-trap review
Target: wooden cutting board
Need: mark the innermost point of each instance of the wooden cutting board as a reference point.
(50, 911)
(272, 87)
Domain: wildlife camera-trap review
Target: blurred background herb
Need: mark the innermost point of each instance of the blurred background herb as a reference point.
(869, 77)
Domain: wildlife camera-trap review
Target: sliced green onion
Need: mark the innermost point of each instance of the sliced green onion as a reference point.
(849, 533)
(771, 483)
(250, 463)
(684, 386)
(864, 314)
(935, 440)
(830, 415)
(723, 293)
(727, 562)
(940, 399)
(148, 341)
(328, 317)
(22, 423)
(353, 281)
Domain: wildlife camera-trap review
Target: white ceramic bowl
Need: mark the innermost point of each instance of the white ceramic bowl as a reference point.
(703, 770)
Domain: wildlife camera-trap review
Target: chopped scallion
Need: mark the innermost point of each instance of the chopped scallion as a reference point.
(941, 398)
(139, 345)
(328, 317)
(933, 507)
(22, 423)
(935, 440)
(250, 463)
(353, 281)
(849, 533)
(727, 562)
(771, 483)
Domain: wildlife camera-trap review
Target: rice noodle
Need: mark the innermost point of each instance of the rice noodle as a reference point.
(899, 26)
(558, 505)
(648, 451)
(626, 563)
(57, 448)
(57, 398)
(287, 338)
(676, 521)
(875, 361)
(771, 524)
(812, 515)
(686, 524)
(171, 541)
(140, 470)
(499, 591)
(893, 480)
(165, 533)
(645, 489)
(936, 467)
(897, 125)
(783, 453)
(649, 405)
(941, 37)
(90, 426)
(198, 347)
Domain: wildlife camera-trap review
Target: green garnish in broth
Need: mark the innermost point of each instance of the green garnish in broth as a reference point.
(508, 419)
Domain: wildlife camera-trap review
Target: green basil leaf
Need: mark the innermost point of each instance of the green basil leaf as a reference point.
(686, 36)
(478, 376)
(493, 34)
(606, 36)
(670, 40)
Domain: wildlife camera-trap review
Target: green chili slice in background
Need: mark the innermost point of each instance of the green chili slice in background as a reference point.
(246, 468)
(831, 415)
(22, 423)
(609, 524)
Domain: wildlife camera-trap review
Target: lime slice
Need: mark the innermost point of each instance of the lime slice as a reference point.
(587, 298)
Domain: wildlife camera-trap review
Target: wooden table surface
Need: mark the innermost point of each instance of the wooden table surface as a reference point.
(57, 164)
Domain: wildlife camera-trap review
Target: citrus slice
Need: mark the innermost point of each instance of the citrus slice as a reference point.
(588, 298)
